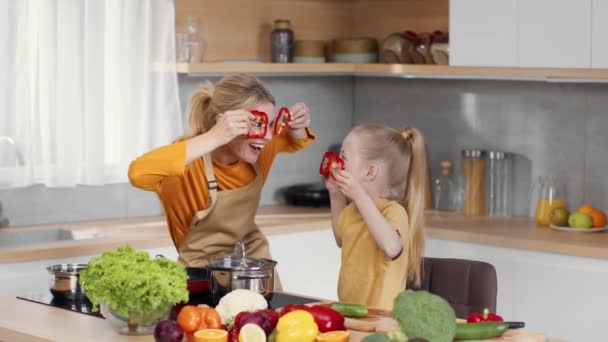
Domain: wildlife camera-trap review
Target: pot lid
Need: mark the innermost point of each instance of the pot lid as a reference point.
(230, 263)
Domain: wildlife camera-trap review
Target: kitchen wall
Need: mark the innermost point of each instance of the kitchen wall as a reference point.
(552, 127)
(330, 101)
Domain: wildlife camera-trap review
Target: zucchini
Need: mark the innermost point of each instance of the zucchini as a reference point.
(350, 310)
(479, 331)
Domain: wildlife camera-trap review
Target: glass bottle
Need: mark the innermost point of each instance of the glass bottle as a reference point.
(444, 189)
(281, 41)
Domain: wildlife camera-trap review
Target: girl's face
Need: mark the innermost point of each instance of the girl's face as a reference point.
(248, 149)
(350, 152)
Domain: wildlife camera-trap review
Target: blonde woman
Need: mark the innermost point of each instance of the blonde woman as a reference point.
(210, 182)
(381, 231)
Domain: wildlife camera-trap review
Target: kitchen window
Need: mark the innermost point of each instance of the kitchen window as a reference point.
(86, 87)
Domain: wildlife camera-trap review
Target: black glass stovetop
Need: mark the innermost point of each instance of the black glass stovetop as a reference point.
(84, 306)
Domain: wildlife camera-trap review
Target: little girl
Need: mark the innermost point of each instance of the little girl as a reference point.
(381, 231)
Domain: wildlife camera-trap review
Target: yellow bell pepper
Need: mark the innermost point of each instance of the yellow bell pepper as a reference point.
(297, 326)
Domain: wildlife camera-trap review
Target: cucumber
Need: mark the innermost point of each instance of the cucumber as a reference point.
(479, 331)
(350, 310)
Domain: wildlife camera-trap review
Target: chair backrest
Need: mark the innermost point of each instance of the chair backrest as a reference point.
(469, 286)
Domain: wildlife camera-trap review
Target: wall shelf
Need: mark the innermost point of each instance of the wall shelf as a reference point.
(397, 70)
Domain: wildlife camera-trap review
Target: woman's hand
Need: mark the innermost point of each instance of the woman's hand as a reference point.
(331, 186)
(230, 125)
(300, 119)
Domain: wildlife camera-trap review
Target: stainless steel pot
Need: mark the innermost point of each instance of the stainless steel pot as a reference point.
(63, 282)
(229, 273)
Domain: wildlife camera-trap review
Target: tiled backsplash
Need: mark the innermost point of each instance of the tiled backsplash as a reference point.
(553, 128)
(329, 99)
(557, 128)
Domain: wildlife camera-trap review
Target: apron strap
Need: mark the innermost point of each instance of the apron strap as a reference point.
(211, 185)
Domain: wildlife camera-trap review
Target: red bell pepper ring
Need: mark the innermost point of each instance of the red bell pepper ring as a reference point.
(282, 120)
(258, 126)
(330, 164)
(327, 319)
(486, 316)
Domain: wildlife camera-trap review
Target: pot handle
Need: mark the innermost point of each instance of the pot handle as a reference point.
(252, 276)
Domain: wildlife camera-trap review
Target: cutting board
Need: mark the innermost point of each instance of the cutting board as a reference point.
(359, 328)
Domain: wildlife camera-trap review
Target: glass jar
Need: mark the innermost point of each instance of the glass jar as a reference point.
(550, 193)
(281, 41)
(499, 184)
(474, 169)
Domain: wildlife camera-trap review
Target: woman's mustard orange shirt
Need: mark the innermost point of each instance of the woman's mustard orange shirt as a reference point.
(182, 189)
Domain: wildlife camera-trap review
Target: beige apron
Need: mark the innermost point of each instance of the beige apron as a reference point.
(230, 217)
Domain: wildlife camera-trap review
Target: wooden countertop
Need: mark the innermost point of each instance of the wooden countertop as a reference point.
(31, 322)
(151, 232)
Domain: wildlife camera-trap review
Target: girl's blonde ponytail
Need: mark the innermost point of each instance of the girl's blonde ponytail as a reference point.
(199, 115)
(414, 200)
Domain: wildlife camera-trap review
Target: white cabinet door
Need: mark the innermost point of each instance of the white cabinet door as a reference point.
(483, 32)
(599, 34)
(554, 33)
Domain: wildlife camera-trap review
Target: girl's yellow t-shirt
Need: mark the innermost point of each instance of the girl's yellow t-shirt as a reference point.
(183, 190)
(367, 276)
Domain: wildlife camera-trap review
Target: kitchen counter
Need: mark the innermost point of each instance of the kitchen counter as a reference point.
(152, 232)
(31, 322)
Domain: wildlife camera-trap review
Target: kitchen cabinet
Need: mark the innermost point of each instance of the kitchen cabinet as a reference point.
(483, 32)
(599, 33)
(554, 33)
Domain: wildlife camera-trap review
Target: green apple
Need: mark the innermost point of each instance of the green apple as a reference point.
(580, 220)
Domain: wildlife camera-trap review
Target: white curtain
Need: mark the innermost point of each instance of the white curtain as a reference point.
(85, 87)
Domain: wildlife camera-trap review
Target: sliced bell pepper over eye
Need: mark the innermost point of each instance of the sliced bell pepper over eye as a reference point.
(330, 164)
(282, 120)
(325, 162)
(258, 126)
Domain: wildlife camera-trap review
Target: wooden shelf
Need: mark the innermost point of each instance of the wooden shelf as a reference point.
(397, 70)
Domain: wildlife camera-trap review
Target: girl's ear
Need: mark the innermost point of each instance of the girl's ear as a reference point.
(372, 172)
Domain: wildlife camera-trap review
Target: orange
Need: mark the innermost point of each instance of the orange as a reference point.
(333, 336)
(189, 318)
(599, 218)
(586, 208)
(211, 335)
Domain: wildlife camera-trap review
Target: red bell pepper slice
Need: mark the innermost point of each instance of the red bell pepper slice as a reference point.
(282, 120)
(259, 125)
(486, 316)
(330, 164)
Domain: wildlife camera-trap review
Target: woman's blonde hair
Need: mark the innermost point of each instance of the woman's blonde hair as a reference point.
(405, 157)
(239, 91)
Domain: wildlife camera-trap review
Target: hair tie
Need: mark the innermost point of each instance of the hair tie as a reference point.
(407, 134)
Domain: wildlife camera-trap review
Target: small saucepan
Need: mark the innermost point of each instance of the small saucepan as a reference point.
(229, 273)
(64, 283)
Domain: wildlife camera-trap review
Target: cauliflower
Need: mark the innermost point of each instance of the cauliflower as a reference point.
(237, 301)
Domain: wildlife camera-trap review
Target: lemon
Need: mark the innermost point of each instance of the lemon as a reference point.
(252, 333)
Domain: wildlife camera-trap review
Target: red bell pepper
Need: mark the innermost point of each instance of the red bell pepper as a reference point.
(330, 164)
(282, 120)
(486, 316)
(327, 319)
(259, 125)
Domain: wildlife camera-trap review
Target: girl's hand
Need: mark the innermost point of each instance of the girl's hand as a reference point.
(331, 186)
(349, 186)
(230, 125)
(300, 119)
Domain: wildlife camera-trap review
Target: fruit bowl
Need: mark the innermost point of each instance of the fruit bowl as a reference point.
(579, 230)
